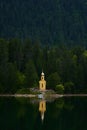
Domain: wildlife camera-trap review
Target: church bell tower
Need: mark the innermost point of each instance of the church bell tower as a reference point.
(42, 82)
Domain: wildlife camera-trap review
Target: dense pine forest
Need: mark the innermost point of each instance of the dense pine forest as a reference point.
(49, 35)
(21, 63)
(49, 21)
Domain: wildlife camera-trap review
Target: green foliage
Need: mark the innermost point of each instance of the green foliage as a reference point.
(21, 79)
(85, 53)
(23, 91)
(53, 80)
(15, 49)
(31, 74)
(21, 63)
(3, 52)
(69, 87)
(11, 81)
(65, 24)
(59, 88)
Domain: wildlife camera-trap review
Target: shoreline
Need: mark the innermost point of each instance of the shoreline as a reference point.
(75, 95)
(51, 95)
(18, 95)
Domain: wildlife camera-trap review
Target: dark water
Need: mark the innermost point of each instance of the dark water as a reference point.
(68, 113)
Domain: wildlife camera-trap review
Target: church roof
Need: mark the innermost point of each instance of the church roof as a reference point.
(42, 73)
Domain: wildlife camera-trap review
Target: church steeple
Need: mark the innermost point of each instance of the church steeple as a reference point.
(42, 76)
(42, 82)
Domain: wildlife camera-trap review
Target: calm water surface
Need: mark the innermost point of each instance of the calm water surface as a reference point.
(69, 113)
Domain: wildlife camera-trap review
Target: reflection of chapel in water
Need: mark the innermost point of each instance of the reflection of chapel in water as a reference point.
(42, 108)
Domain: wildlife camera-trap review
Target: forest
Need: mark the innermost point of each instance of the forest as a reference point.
(21, 64)
(50, 21)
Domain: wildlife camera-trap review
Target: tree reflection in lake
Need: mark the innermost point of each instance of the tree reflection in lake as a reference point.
(68, 113)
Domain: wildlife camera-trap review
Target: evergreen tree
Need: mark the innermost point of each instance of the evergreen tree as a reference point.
(31, 75)
(53, 80)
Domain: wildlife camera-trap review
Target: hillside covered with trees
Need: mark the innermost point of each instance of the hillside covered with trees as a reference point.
(21, 64)
(48, 21)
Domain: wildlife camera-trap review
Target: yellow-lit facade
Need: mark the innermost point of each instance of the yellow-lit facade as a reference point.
(42, 82)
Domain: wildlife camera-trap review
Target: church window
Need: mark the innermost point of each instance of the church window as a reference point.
(42, 85)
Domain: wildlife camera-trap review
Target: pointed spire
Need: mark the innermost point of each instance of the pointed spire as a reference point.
(42, 73)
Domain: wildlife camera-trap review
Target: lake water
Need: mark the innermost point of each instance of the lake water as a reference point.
(68, 113)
